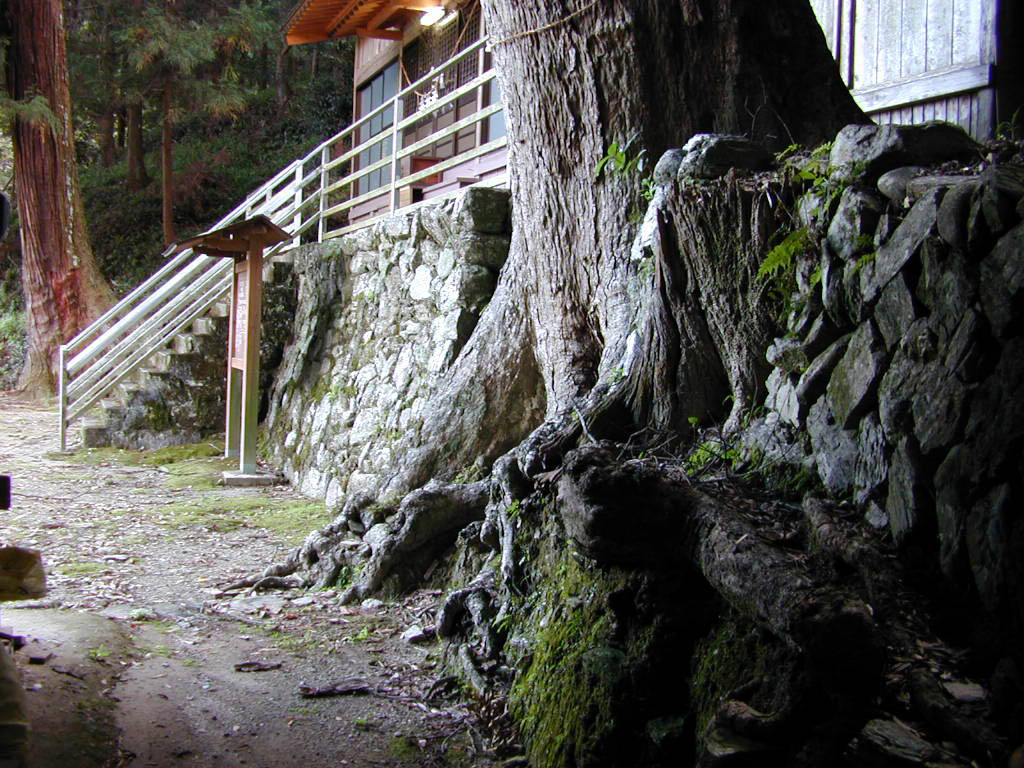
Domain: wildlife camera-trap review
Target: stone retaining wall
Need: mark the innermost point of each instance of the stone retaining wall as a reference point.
(382, 314)
(901, 376)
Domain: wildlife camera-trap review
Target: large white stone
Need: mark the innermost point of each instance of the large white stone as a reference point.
(445, 262)
(365, 426)
(313, 483)
(441, 357)
(365, 377)
(419, 288)
(334, 493)
(403, 369)
(362, 482)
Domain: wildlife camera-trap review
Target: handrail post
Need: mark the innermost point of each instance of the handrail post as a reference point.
(62, 398)
(394, 153)
(297, 219)
(321, 225)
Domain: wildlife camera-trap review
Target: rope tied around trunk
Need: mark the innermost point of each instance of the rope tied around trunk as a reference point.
(544, 28)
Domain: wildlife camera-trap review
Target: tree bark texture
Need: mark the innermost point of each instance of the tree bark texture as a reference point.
(282, 91)
(649, 75)
(64, 289)
(105, 128)
(167, 164)
(645, 73)
(138, 177)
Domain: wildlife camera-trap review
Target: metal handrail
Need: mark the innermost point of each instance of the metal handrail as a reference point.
(298, 200)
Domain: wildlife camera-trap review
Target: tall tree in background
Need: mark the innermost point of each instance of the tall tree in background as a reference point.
(188, 56)
(64, 289)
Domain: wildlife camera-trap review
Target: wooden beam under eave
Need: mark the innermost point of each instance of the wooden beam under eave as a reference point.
(298, 38)
(391, 8)
(223, 245)
(381, 34)
(382, 15)
(344, 15)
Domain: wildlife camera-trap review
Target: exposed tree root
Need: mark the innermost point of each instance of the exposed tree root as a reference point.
(975, 738)
(476, 600)
(426, 525)
(834, 628)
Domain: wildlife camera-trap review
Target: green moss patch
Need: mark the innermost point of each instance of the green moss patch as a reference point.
(733, 655)
(162, 457)
(565, 700)
(220, 512)
(81, 568)
(201, 474)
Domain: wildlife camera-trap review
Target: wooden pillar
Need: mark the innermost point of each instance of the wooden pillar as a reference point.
(244, 361)
(244, 242)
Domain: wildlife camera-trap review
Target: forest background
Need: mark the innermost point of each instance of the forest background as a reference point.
(242, 106)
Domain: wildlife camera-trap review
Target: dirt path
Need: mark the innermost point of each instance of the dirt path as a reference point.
(136, 658)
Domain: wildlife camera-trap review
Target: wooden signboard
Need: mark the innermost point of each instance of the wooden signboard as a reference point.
(244, 242)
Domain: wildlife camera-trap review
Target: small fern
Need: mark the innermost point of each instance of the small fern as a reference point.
(782, 257)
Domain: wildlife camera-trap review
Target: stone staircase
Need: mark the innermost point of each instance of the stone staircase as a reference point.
(177, 395)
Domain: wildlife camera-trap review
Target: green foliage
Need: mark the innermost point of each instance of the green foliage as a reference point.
(472, 473)
(713, 452)
(813, 168)
(621, 160)
(864, 260)
(99, 653)
(1010, 129)
(514, 509)
(35, 109)
(815, 276)
(782, 258)
(12, 346)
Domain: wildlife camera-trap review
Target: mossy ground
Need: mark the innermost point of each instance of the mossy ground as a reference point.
(198, 467)
(225, 513)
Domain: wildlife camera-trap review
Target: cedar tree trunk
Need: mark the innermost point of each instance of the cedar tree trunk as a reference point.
(657, 71)
(640, 72)
(105, 127)
(64, 289)
(137, 175)
(167, 165)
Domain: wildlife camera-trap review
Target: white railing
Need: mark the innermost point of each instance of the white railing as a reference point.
(313, 199)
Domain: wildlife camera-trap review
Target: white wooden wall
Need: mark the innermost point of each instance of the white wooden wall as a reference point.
(908, 61)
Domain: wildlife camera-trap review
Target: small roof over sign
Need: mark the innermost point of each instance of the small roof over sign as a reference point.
(236, 240)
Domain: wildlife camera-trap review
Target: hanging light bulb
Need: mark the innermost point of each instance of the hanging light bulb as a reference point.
(432, 15)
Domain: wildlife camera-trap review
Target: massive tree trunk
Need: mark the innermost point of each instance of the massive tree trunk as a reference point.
(64, 289)
(649, 72)
(573, 338)
(639, 72)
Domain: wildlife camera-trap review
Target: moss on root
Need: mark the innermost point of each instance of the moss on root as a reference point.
(564, 700)
(735, 654)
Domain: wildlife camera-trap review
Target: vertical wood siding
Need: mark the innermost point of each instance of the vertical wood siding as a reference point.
(916, 60)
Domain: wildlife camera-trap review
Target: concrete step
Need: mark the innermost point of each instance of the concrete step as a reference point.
(159, 361)
(95, 434)
(151, 375)
(125, 389)
(208, 326)
(184, 344)
(112, 409)
(288, 257)
(277, 272)
(220, 309)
